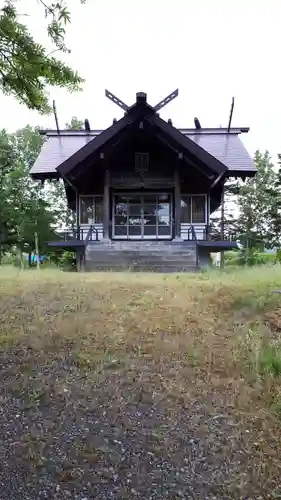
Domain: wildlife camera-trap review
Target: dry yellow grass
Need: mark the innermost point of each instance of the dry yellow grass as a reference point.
(175, 340)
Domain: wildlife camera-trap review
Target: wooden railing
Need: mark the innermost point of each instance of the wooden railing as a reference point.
(92, 231)
(211, 235)
(81, 234)
(205, 233)
(190, 234)
(193, 232)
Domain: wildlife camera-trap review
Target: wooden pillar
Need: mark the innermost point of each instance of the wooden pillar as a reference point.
(83, 260)
(106, 205)
(208, 209)
(77, 214)
(80, 260)
(177, 204)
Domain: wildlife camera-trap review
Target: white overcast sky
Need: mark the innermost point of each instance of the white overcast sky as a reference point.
(210, 49)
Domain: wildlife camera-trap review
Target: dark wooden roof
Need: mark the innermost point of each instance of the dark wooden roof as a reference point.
(219, 149)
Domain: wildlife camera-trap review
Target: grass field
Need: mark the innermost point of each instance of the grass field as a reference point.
(140, 385)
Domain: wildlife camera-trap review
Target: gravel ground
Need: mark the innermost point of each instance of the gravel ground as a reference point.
(68, 435)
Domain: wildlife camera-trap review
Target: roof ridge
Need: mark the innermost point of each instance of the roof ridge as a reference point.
(191, 131)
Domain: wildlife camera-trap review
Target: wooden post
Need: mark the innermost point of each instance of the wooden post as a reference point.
(77, 214)
(20, 254)
(177, 204)
(82, 260)
(106, 204)
(222, 226)
(208, 209)
(79, 261)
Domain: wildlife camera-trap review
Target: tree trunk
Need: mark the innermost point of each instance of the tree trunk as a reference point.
(29, 258)
(37, 251)
(247, 252)
(20, 254)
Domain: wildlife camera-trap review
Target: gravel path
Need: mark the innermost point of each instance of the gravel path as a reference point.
(65, 435)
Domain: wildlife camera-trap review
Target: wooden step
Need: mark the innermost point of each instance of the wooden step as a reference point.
(142, 268)
(155, 256)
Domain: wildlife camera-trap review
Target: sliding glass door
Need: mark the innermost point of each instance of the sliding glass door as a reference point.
(142, 216)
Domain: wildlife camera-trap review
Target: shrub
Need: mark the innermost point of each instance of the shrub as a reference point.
(252, 257)
(8, 259)
(67, 260)
(267, 258)
(231, 258)
(12, 259)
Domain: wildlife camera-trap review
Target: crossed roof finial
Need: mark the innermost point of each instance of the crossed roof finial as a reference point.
(158, 106)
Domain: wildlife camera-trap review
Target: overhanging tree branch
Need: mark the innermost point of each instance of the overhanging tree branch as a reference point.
(26, 68)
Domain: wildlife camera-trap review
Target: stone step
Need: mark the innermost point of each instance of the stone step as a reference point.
(165, 269)
(154, 259)
(139, 255)
(132, 253)
(137, 245)
(127, 265)
(143, 268)
(157, 256)
(140, 249)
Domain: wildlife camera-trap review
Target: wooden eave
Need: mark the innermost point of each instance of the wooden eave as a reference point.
(98, 142)
(145, 113)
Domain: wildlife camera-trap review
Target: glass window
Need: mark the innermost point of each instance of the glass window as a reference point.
(120, 220)
(134, 230)
(164, 213)
(198, 209)
(133, 221)
(135, 210)
(121, 208)
(91, 210)
(163, 198)
(193, 209)
(163, 210)
(86, 210)
(98, 210)
(120, 230)
(149, 220)
(163, 221)
(164, 230)
(149, 208)
(149, 230)
(186, 209)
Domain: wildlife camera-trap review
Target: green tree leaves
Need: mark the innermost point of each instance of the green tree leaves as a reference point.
(259, 205)
(26, 69)
(26, 207)
(23, 204)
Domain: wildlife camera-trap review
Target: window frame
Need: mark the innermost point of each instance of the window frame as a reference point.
(94, 197)
(191, 196)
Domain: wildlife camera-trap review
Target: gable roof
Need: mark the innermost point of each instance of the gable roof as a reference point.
(226, 147)
(141, 111)
(229, 149)
(187, 144)
(220, 149)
